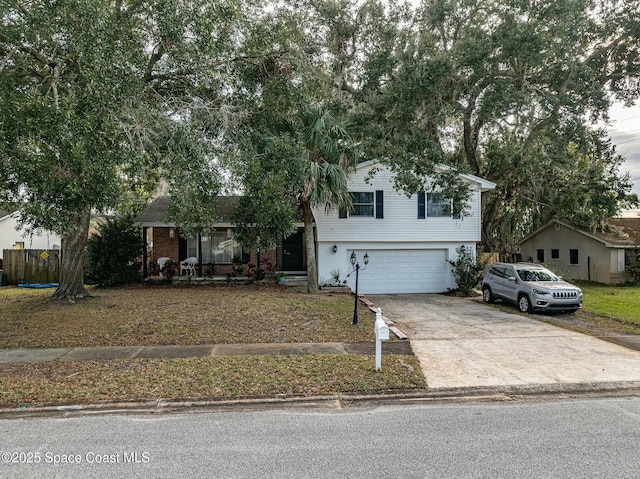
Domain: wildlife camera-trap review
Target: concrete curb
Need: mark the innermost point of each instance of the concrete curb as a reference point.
(336, 400)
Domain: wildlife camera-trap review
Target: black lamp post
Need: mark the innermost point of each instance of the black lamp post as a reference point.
(356, 267)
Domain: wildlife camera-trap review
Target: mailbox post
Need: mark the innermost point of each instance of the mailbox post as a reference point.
(382, 334)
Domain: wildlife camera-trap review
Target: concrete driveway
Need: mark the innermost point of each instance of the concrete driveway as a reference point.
(465, 343)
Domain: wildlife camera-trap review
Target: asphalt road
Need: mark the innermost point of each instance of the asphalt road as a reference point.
(559, 438)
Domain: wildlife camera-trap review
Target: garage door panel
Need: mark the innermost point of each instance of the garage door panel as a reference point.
(404, 271)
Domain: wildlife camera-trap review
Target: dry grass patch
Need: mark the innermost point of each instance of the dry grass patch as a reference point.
(162, 315)
(75, 382)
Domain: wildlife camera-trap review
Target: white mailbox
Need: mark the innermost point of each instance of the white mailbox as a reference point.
(382, 330)
(382, 334)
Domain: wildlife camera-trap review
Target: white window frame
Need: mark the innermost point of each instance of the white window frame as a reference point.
(437, 205)
(369, 204)
(226, 248)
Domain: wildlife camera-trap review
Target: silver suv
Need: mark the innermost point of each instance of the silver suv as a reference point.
(531, 287)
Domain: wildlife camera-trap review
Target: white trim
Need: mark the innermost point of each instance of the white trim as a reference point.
(485, 185)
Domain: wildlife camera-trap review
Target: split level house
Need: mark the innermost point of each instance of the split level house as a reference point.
(585, 255)
(408, 240)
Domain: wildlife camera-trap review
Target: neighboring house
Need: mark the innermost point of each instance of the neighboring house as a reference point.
(586, 255)
(218, 247)
(12, 236)
(409, 240)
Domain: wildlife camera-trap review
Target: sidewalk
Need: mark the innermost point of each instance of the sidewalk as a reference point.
(147, 352)
(466, 350)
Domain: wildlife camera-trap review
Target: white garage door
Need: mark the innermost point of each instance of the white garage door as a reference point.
(404, 271)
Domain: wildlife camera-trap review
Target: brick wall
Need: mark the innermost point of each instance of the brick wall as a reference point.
(164, 246)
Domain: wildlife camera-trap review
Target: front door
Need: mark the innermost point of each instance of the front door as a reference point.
(293, 252)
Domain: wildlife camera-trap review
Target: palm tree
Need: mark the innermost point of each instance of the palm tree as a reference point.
(326, 144)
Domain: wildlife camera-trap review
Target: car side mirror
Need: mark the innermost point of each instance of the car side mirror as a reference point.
(512, 278)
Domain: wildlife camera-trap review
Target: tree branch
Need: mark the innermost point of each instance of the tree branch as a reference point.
(6, 59)
(157, 54)
(31, 51)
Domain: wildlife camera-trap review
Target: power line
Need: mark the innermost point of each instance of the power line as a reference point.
(628, 141)
(626, 119)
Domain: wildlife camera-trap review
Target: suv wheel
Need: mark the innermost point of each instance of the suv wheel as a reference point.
(524, 305)
(487, 295)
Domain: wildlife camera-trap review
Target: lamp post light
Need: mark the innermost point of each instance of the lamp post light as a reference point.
(356, 266)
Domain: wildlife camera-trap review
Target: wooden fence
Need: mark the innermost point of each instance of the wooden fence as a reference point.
(490, 258)
(31, 265)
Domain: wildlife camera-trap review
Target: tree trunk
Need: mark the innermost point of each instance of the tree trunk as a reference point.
(470, 137)
(71, 284)
(310, 245)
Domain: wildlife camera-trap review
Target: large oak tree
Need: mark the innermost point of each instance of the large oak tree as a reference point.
(508, 90)
(99, 98)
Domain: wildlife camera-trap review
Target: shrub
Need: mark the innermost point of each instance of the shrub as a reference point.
(269, 268)
(254, 273)
(168, 271)
(113, 255)
(467, 270)
(634, 270)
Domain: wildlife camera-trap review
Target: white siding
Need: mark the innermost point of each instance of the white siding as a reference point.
(9, 235)
(407, 254)
(400, 222)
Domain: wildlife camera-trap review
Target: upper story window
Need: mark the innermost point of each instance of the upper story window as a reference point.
(365, 203)
(362, 203)
(434, 205)
(438, 205)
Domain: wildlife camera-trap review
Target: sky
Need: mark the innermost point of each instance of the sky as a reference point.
(624, 129)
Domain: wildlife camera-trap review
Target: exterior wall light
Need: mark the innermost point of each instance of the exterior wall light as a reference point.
(335, 248)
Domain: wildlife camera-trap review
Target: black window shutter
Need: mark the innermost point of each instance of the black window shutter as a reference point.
(421, 206)
(379, 204)
(342, 212)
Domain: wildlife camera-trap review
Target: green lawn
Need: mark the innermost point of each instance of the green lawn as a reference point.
(156, 315)
(621, 303)
(142, 315)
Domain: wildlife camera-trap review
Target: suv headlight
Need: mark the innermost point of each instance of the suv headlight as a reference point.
(540, 291)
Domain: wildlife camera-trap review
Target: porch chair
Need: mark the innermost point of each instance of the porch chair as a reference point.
(189, 265)
(161, 261)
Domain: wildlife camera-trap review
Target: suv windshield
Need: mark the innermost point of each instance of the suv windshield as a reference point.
(537, 275)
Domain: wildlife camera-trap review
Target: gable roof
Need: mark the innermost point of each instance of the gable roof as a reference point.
(485, 185)
(6, 213)
(157, 212)
(624, 232)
